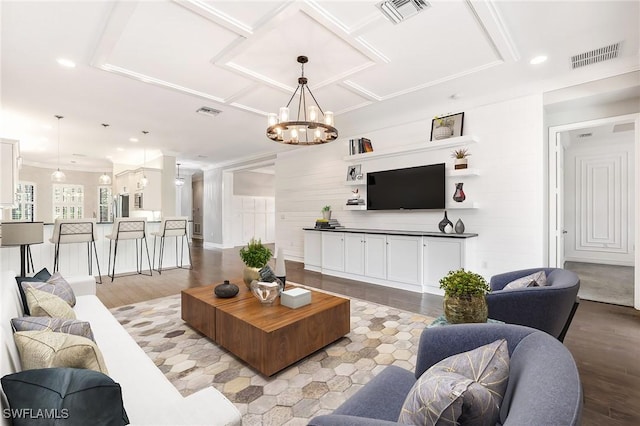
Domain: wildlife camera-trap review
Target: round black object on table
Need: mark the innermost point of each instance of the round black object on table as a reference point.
(226, 290)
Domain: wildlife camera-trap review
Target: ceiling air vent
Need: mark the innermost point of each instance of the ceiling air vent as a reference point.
(594, 56)
(208, 111)
(398, 10)
(584, 135)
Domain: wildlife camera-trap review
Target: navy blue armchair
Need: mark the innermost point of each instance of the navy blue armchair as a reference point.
(544, 385)
(549, 308)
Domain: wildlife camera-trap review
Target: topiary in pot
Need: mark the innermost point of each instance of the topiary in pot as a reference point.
(464, 297)
(255, 256)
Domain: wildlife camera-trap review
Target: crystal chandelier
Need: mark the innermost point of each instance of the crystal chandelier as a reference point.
(58, 176)
(311, 126)
(179, 180)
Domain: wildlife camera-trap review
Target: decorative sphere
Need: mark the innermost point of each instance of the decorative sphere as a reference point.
(226, 290)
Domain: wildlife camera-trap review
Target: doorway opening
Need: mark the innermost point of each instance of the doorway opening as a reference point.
(593, 207)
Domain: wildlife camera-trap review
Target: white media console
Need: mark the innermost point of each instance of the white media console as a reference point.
(408, 260)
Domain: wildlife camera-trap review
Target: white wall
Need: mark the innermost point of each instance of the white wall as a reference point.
(212, 208)
(510, 190)
(253, 183)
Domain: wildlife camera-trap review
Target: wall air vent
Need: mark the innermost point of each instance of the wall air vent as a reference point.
(208, 111)
(594, 56)
(398, 10)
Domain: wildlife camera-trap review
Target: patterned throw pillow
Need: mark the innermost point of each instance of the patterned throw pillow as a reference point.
(41, 276)
(466, 388)
(60, 325)
(55, 285)
(537, 279)
(45, 349)
(43, 304)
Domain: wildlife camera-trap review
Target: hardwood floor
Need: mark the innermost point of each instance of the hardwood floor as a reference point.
(604, 339)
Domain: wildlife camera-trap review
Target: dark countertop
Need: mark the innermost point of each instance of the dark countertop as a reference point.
(393, 232)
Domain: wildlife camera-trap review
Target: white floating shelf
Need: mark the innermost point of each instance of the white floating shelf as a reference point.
(462, 172)
(462, 206)
(355, 182)
(413, 148)
(359, 207)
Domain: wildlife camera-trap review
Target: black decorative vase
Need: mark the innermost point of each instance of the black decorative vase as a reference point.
(459, 227)
(459, 196)
(444, 222)
(226, 290)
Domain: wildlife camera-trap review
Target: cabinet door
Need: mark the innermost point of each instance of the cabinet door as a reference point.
(8, 172)
(333, 251)
(312, 248)
(354, 253)
(375, 256)
(404, 259)
(440, 256)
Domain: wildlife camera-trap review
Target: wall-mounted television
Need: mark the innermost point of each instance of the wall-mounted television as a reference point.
(411, 188)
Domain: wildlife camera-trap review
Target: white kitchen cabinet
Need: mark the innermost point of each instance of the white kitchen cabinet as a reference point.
(354, 253)
(439, 256)
(333, 251)
(9, 152)
(404, 259)
(312, 250)
(375, 256)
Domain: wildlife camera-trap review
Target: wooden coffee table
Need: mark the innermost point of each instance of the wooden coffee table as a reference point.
(268, 338)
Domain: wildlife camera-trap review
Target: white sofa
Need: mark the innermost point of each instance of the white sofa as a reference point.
(149, 398)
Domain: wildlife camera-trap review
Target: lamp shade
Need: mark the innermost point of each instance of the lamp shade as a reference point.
(22, 233)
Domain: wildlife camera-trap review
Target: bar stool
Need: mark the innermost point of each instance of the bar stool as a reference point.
(172, 227)
(69, 231)
(128, 229)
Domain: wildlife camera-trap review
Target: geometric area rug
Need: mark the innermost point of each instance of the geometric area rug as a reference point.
(379, 336)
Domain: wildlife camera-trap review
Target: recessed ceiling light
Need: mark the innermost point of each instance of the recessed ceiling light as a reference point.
(68, 63)
(133, 139)
(120, 149)
(538, 60)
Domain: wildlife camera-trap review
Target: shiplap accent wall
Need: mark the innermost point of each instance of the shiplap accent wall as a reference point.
(510, 190)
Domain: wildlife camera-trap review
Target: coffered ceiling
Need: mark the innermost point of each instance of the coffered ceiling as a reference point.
(152, 65)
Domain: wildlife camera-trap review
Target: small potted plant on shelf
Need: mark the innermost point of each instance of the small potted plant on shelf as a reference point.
(254, 256)
(464, 297)
(460, 156)
(326, 212)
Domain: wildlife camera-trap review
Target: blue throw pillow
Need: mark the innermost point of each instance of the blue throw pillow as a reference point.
(66, 396)
(42, 276)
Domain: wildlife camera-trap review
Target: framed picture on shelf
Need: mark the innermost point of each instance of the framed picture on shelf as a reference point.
(353, 172)
(447, 126)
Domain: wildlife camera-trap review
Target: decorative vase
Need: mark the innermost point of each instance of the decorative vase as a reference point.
(460, 163)
(459, 227)
(465, 309)
(442, 132)
(444, 222)
(266, 293)
(448, 229)
(226, 290)
(250, 274)
(459, 196)
(281, 271)
(326, 214)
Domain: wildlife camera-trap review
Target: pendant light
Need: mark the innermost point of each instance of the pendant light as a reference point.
(179, 180)
(104, 179)
(144, 181)
(58, 176)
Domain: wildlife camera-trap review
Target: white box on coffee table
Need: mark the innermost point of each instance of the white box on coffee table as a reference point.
(295, 298)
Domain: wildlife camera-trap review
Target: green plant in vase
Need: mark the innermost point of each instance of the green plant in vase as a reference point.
(326, 212)
(460, 158)
(464, 297)
(254, 256)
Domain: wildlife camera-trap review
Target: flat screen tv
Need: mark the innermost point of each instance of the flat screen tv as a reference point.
(410, 188)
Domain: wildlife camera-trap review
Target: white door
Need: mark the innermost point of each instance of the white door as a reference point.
(440, 256)
(375, 256)
(599, 203)
(404, 259)
(561, 232)
(333, 251)
(354, 253)
(312, 250)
